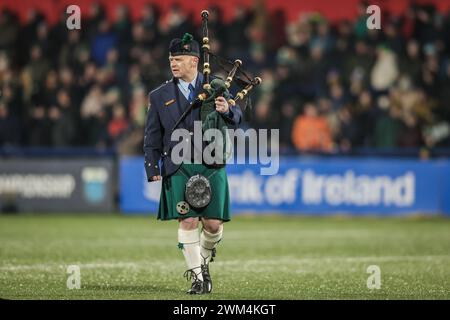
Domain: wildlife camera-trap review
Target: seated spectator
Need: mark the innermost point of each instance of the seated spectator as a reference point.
(311, 131)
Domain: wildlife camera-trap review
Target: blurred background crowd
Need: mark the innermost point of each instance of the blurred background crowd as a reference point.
(328, 87)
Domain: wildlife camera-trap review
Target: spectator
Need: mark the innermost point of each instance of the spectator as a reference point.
(348, 131)
(337, 96)
(364, 118)
(359, 63)
(118, 123)
(39, 127)
(104, 40)
(385, 70)
(150, 20)
(122, 27)
(411, 64)
(393, 39)
(410, 134)
(288, 113)
(311, 131)
(96, 15)
(131, 142)
(70, 51)
(9, 30)
(9, 127)
(387, 129)
(237, 44)
(34, 73)
(62, 120)
(92, 103)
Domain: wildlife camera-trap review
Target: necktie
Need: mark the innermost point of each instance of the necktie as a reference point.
(191, 93)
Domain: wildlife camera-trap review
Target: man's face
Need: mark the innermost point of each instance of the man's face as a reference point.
(182, 65)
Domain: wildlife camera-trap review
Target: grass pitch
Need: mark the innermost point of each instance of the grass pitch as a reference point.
(270, 257)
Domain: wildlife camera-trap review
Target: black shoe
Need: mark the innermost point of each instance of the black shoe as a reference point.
(198, 286)
(206, 278)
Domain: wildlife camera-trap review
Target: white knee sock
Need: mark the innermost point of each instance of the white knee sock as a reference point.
(208, 241)
(188, 241)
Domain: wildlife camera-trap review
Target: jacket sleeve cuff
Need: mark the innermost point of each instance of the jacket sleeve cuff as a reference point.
(151, 169)
(228, 114)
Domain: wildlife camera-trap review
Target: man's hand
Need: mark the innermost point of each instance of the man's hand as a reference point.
(155, 178)
(222, 105)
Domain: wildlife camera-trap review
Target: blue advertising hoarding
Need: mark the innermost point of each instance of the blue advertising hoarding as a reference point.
(57, 184)
(314, 186)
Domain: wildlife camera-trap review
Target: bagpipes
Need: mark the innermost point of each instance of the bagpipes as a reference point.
(219, 87)
(198, 191)
(235, 72)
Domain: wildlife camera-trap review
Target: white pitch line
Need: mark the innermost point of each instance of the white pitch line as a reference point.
(49, 266)
(241, 263)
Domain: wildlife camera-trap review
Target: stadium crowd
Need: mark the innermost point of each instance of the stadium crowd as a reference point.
(327, 87)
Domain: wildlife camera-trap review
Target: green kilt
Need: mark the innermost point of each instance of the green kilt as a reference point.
(173, 188)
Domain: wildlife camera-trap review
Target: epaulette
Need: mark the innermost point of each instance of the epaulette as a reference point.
(162, 85)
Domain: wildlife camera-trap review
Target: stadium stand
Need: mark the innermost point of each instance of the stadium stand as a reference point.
(375, 91)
